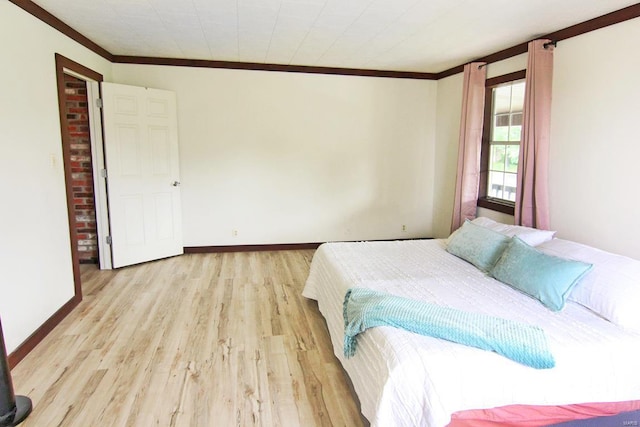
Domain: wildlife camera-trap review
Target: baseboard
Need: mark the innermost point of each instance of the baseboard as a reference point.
(249, 248)
(270, 247)
(35, 338)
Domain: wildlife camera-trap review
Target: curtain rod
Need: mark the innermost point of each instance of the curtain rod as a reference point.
(546, 46)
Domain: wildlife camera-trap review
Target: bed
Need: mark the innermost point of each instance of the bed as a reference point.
(406, 379)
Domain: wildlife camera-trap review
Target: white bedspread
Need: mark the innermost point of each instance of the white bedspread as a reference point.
(404, 379)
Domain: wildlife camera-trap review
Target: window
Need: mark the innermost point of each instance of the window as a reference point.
(504, 101)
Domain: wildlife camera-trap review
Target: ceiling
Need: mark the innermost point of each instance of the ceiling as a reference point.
(399, 35)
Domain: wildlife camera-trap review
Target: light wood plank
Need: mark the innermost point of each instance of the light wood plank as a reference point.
(197, 340)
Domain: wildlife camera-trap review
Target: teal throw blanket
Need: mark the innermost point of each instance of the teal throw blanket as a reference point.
(365, 308)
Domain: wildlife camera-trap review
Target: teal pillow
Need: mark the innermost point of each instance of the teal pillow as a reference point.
(545, 277)
(478, 245)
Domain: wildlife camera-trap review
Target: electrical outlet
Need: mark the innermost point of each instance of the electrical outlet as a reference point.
(234, 233)
(404, 227)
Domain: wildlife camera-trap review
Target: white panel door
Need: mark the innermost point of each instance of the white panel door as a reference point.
(143, 184)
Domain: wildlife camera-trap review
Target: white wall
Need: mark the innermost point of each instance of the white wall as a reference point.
(594, 141)
(449, 109)
(294, 158)
(36, 276)
(595, 147)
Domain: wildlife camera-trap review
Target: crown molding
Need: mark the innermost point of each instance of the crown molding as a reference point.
(630, 12)
(603, 21)
(51, 20)
(179, 62)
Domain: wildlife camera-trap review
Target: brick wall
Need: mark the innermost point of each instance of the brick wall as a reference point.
(81, 168)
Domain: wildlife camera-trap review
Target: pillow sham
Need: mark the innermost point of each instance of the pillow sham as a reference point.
(531, 236)
(611, 289)
(478, 245)
(547, 278)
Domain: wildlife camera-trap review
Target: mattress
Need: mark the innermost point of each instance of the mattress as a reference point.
(407, 379)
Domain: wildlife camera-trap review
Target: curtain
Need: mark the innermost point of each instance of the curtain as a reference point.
(532, 193)
(468, 178)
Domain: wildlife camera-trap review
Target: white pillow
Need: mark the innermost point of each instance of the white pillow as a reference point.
(531, 236)
(612, 287)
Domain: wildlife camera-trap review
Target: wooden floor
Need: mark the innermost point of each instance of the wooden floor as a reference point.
(196, 340)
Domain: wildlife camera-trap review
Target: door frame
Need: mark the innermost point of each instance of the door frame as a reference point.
(92, 78)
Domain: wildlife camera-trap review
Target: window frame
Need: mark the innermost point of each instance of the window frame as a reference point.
(499, 205)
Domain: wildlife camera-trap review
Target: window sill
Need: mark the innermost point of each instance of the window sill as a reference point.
(498, 205)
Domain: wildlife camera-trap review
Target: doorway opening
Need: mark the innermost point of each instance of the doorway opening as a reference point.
(83, 158)
(77, 115)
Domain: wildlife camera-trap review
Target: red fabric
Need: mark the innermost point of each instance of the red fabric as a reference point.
(470, 143)
(537, 416)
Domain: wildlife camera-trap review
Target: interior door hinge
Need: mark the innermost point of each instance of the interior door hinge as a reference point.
(103, 173)
(108, 240)
(99, 102)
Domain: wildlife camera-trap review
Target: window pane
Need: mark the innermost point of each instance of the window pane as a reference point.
(511, 158)
(502, 120)
(500, 133)
(496, 184)
(516, 119)
(498, 158)
(510, 183)
(502, 99)
(515, 133)
(517, 97)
